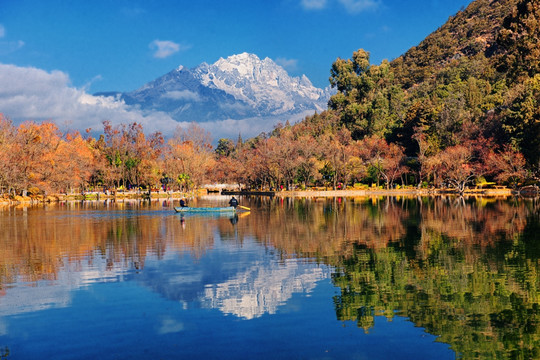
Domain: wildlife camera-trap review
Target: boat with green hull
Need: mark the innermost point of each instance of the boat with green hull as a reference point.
(189, 210)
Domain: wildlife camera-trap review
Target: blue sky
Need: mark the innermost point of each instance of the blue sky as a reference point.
(54, 54)
(114, 45)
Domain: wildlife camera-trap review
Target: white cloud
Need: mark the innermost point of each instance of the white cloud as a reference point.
(182, 95)
(7, 47)
(89, 84)
(352, 6)
(356, 6)
(248, 127)
(313, 4)
(287, 64)
(164, 48)
(238, 107)
(34, 94)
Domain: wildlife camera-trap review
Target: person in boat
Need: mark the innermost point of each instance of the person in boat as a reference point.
(183, 203)
(233, 202)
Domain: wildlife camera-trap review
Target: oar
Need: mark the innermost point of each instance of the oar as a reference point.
(244, 207)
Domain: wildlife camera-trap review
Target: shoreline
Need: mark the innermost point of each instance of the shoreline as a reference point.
(95, 196)
(395, 192)
(500, 192)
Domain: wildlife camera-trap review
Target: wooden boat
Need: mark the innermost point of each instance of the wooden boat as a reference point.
(187, 209)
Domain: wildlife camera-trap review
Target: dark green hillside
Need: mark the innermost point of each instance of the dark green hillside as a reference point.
(504, 31)
(469, 33)
(476, 77)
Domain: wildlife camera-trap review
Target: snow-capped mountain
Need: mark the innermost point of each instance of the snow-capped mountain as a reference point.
(236, 88)
(262, 84)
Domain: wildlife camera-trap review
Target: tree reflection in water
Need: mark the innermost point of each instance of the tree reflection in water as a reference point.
(467, 272)
(464, 269)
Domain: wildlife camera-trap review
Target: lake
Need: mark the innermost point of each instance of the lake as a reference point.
(330, 278)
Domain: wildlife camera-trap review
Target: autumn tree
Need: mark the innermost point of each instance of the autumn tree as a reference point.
(228, 170)
(73, 165)
(189, 157)
(336, 156)
(309, 161)
(38, 158)
(7, 143)
(385, 158)
(457, 166)
(284, 156)
(33, 156)
(256, 168)
(507, 165)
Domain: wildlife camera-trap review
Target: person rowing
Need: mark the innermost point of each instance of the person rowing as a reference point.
(233, 202)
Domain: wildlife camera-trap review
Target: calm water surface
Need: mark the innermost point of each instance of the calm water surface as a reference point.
(337, 278)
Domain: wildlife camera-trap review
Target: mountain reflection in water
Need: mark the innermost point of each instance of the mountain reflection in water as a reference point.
(466, 270)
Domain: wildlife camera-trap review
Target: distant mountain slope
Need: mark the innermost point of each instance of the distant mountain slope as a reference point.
(238, 87)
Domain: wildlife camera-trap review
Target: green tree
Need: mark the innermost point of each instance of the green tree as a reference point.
(521, 121)
(225, 147)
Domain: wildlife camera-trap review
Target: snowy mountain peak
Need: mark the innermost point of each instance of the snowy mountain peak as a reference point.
(245, 66)
(241, 58)
(238, 87)
(261, 83)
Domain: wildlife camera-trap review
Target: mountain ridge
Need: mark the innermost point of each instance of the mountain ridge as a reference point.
(494, 29)
(237, 87)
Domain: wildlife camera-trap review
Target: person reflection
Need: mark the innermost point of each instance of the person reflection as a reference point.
(234, 219)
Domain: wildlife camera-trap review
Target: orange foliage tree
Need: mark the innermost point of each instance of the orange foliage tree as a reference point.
(507, 165)
(73, 164)
(385, 158)
(7, 142)
(188, 157)
(336, 156)
(456, 166)
(33, 156)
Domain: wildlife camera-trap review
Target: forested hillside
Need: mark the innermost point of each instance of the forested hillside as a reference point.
(476, 76)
